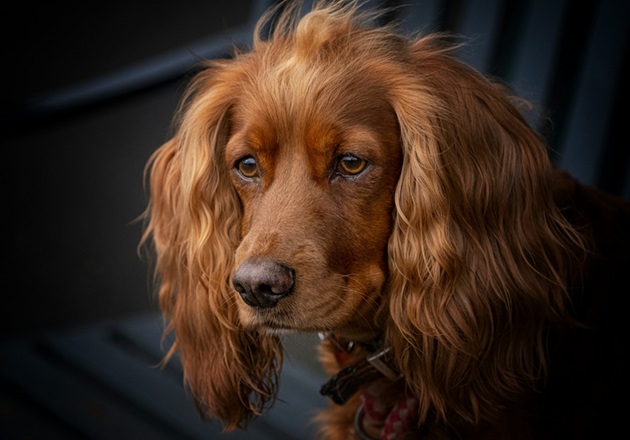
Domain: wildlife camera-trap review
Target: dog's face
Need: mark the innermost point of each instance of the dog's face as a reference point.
(315, 174)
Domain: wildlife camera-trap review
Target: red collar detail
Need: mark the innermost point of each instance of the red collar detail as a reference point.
(397, 419)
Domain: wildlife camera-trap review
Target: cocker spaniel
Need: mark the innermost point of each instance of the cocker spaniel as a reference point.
(344, 179)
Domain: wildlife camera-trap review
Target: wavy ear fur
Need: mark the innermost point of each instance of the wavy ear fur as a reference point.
(193, 222)
(477, 251)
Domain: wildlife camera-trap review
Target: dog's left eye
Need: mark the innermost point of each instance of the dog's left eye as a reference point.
(350, 165)
(247, 167)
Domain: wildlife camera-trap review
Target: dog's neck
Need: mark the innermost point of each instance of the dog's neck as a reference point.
(360, 363)
(366, 368)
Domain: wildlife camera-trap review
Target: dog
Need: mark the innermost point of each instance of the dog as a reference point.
(344, 179)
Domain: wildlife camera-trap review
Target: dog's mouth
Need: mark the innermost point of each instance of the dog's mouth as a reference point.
(282, 316)
(272, 319)
(268, 312)
(298, 313)
(276, 320)
(281, 298)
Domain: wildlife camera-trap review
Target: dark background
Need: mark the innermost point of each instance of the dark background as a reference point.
(76, 133)
(89, 92)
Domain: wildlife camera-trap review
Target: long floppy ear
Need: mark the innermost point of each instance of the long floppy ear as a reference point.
(476, 252)
(194, 223)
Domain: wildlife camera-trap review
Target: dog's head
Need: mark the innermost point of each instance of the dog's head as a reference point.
(339, 176)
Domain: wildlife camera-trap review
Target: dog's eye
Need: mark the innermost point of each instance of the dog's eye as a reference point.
(351, 165)
(248, 167)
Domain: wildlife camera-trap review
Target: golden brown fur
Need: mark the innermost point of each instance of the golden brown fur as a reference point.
(451, 244)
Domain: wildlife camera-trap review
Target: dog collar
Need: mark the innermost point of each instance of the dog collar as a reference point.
(377, 364)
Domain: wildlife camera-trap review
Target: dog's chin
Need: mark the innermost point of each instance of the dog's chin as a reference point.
(277, 331)
(266, 320)
(276, 321)
(271, 327)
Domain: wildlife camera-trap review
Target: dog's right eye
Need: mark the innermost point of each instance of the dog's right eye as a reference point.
(351, 165)
(247, 167)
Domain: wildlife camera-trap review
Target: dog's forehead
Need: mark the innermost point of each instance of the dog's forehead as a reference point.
(278, 107)
(319, 139)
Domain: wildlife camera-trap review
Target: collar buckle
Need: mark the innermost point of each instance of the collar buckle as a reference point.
(375, 360)
(345, 384)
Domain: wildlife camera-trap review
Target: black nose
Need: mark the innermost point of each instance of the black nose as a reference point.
(263, 282)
